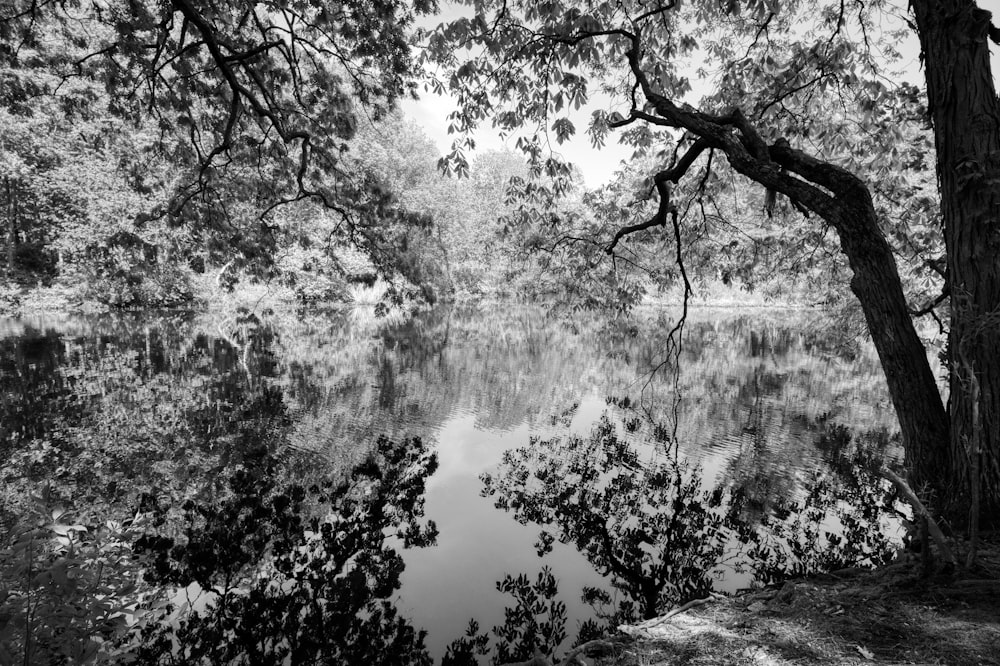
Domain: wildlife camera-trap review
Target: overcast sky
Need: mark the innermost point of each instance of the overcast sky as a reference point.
(597, 165)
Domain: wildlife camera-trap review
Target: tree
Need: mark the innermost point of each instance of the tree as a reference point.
(793, 76)
(254, 105)
(965, 112)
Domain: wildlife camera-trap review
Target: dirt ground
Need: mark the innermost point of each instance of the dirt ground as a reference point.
(893, 615)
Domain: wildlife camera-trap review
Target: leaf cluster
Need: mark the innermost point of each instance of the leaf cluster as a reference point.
(299, 574)
(650, 527)
(534, 627)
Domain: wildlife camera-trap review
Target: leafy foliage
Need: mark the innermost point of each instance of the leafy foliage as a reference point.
(533, 68)
(533, 627)
(290, 585)
(76, 181)
(260, 80)
(68, 588)
(196, 146)
(537, 621)
(650, 527)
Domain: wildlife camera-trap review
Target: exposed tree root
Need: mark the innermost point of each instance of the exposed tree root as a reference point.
(649, 624)
(921, 511)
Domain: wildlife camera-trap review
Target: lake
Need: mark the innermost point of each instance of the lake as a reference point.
(587, 445)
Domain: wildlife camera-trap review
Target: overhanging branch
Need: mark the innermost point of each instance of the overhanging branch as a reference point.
(663, 182)
(745, 149)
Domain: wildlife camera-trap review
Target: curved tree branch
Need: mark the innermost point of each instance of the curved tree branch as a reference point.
(662, 182)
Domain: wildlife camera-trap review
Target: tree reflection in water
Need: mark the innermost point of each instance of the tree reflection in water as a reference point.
(648, 521)
(846, 515)
(210, 443)
(644, 520)
(297, 575)
(157, 486)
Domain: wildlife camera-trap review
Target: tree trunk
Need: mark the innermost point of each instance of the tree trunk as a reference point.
(964, 106)
(923, 420)
(966, 115)
(11, 228)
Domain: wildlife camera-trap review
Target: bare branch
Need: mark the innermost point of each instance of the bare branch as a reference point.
(761, 29)
(662, 182)
(657, 10)
(919, 509)
(261, 48)
(929, 308)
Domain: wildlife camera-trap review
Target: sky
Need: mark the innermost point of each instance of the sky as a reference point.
(431, 111)
(596, 165)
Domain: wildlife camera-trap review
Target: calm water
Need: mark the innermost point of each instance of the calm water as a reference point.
(106, 409)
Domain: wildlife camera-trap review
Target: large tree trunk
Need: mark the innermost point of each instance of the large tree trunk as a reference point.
(966, 115)
(11, 228)
(923, 420)
(921, 413)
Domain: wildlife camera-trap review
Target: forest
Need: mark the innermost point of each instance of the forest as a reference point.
(161, 163)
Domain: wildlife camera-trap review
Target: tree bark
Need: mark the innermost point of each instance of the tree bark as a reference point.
(11, 228)
(923, 420)
(965, 112)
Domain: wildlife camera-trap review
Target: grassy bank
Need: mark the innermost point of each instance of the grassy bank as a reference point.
(26, 294)
(24, 297)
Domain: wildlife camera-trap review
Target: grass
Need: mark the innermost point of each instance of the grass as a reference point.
(360, 294)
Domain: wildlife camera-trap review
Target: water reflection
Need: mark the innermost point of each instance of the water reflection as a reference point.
(168, 426)
(296, 574)
(643, 522)
(646, 520)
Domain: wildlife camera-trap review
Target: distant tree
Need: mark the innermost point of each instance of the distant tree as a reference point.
(75, 180)
(797, 82)
(465, 247)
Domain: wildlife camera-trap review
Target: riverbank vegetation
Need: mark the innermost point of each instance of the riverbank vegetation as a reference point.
(109, 208)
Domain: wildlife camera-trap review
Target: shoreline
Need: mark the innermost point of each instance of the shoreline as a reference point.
(891, 615)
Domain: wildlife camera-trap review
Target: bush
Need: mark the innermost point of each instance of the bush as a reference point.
(34, 258)
(125, 272)
(68, 588)
(140, 286)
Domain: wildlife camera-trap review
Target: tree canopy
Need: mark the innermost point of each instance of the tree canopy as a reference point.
(257, 80)
(245, 109)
